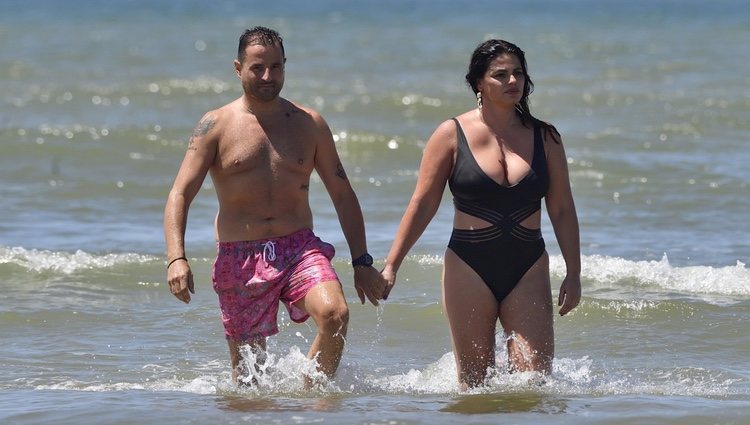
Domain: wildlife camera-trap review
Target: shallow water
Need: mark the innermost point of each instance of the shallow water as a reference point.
(98, 101)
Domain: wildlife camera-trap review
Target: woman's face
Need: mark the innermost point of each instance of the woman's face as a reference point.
(503, 82)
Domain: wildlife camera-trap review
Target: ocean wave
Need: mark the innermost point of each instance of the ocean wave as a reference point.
(66, 262)
(616, 272)
(597, 271)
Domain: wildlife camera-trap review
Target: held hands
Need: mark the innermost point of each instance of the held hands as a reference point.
(180, 279)
(390, 278)
(369, 283)
(570, 294)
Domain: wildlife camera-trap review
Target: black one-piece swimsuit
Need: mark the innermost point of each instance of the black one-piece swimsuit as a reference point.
(503, 252)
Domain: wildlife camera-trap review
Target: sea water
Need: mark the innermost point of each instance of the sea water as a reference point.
(98, 100)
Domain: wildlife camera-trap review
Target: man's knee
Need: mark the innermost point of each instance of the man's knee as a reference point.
(333, 318)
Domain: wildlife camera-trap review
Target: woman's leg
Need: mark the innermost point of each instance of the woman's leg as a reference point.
(526, 316)
(472, 312)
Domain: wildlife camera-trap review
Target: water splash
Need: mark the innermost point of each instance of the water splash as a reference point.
(283, 375)
(268, 372)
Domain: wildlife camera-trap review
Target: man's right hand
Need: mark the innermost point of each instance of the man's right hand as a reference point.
(180, 279)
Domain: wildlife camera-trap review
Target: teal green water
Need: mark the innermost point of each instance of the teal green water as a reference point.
(97, 102)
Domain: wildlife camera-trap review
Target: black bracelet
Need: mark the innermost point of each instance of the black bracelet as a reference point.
(178, 258)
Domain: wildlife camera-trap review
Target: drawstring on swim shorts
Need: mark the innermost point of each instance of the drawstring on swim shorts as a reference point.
(269, 251)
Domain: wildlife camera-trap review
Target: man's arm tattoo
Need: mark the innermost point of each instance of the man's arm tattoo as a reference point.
(203, 127)
(340, 171)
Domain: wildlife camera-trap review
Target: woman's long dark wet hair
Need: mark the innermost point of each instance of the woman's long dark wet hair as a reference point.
(480, 61)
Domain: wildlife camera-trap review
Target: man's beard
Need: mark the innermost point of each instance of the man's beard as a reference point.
(264, 92)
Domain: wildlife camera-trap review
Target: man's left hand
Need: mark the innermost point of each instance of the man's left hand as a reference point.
(369, 283)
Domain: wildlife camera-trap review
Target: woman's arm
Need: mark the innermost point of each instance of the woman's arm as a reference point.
(562, 213)
(434, 171)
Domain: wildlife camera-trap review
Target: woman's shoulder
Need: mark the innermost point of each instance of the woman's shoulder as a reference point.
(445, 135)
(469, 117)
(549, 132)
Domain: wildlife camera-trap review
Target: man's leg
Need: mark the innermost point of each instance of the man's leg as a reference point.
(239, 370)
(326, 304)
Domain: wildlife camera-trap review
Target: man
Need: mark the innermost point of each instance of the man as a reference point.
(261, 150)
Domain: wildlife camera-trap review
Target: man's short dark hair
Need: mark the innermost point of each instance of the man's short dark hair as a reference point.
(259, 35)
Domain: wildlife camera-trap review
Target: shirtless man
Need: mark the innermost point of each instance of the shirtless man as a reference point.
(261, 150)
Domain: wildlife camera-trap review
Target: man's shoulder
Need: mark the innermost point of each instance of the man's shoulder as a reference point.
(217, 114)
(226, 111)
(301, 111)
(220, 116)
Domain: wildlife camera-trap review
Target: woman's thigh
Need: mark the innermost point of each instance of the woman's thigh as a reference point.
(471, 309)
(526, 316)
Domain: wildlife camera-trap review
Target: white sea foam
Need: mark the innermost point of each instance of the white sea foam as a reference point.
(65, 262)
(612, 271)
(283, 375)
(438, 377)
(601, 270)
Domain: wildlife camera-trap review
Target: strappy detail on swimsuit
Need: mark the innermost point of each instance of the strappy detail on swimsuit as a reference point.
(500, 224)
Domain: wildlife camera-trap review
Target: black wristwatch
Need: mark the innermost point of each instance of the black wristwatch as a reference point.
(363, 260)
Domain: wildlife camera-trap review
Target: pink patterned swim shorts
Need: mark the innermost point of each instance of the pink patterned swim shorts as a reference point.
(251, 277)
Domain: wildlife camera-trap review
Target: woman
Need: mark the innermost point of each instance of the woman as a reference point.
(499, 162)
